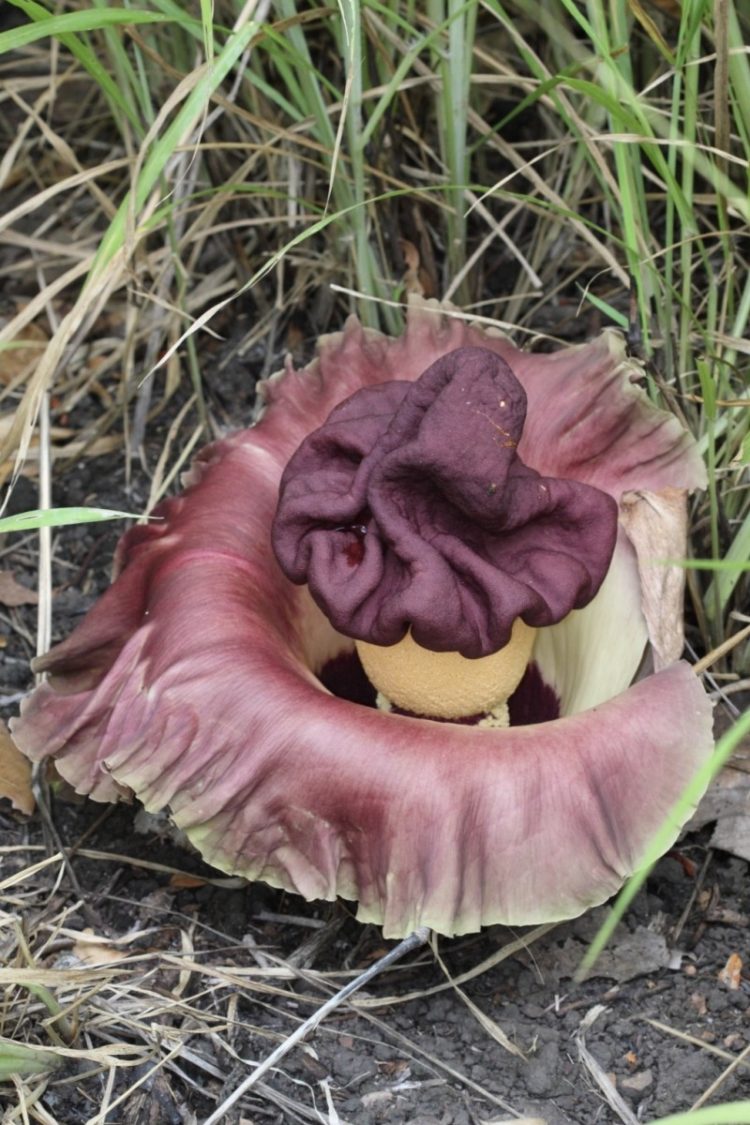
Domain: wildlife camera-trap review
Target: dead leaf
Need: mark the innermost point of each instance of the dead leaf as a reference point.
(376, 1098)
(699, 1002)
(182, 881)
(295, 342)
(656, 525)
(668, 7)
(21, 352)
(638, 1082)
(12, 593)
(63, 446)
(726, 917)
(706, 898)
(154, 1103)
(688, 865)
(651, 29)
(97, 950)
(727, 802)
(416, 279)
(629, 956)
(731, 974)
(15, 774)
(412, 279)
(397, 1069)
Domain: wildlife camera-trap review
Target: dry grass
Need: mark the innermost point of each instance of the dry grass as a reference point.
(165, 1003)
(103, 1019)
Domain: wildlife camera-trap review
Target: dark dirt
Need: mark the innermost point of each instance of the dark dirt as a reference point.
(666, 1030)
(425, 1061)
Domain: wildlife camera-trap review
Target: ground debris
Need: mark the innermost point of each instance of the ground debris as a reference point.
(15, 774)
(14, 593)
(727, 805)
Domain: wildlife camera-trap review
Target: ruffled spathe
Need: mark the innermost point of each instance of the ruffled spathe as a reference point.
(193, 682)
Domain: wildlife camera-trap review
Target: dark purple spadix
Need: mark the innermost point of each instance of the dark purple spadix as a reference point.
(409, 508)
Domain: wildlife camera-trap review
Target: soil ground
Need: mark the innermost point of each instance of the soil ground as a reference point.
(204, 976)
(656, 1022)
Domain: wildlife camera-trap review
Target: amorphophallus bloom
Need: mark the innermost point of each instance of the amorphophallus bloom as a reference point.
(422, 534)
(206, 682)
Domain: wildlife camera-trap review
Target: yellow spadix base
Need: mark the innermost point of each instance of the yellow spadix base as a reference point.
(446, 685)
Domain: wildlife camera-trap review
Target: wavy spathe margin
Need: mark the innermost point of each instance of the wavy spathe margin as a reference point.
(192, 683)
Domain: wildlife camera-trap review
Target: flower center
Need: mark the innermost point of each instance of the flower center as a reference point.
(446, 685)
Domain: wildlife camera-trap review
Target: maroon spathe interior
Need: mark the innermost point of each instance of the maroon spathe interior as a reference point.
(409, 508)
(533, 701)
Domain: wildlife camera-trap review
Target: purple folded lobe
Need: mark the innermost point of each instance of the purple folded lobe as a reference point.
(587, 420)
(411, 509)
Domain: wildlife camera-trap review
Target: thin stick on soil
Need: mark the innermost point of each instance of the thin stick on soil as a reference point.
(413, 941)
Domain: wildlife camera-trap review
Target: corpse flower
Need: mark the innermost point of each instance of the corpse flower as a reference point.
(207, 682)
(420, 531)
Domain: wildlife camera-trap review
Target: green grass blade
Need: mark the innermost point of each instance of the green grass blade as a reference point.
(15, 1058)
(124, 59)
(73, 21)
(614, 315)
(663, 838)
(61, 517)
(165, 145)
(709, 564)
(208, 27)
(739, 73)
(723, 585)
(417, 45)
(731, 1113)
(88, 60)
(176, 13)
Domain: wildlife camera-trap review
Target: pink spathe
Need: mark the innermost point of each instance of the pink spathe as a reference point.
(193, 682)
